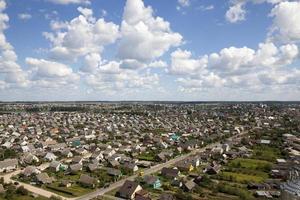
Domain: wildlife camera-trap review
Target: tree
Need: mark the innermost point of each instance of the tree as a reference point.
(22, 191)
(55, 198)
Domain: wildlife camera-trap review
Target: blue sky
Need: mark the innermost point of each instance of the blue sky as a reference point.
(149, 50)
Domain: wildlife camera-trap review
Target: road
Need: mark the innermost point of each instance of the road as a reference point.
(31, 188)
(113, 186)
(149, 171)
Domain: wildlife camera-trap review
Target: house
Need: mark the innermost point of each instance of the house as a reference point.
(212, 169)
(75, 168)
(113, 163)
(92, 167)
(185, 166)
(114, 172)
(55, 166)
(130, 167)
(50, 156)
(2, 190)
(65, 183)
(177, 182)
(67, 153)
(152, 181)
(142, 195)
(43, 178)
(108, 153)
(97, 156)
(8, 165)
(87, 181)
(170, 172)
(265, 141)
(198, 180)
(128, 190)
(77, 160)
(190, 145)
(188, 186)
(29, 158)
(30, 170)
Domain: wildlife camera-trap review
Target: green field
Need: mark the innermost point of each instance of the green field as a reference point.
(252, 164)
(75, 189)
(240, 177)
(266, 153)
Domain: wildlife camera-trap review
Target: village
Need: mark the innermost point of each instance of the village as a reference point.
(149, 151)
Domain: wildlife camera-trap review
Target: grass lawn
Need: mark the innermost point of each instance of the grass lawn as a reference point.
(270, 154)
(241, 178)
(75, 189)
(252, 164)
(28, 197)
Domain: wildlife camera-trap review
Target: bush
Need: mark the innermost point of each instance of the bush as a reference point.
(55, 198)
(22, 191)
(227, 189)
(183, 196)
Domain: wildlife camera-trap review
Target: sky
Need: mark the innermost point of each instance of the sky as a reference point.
(175, 50)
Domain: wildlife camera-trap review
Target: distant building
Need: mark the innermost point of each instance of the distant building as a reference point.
(290, 190)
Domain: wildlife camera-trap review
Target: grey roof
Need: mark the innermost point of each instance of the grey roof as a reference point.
(114, 172)
(86, 179)
(8, 163)
(292, 187)
(127, 189)
(44, 178)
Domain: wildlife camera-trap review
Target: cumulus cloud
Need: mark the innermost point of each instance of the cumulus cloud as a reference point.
(132, 64)
(158, 64)
(182, 63)
(128, 79)
(286, 24)
(236, 13)
(236, 67)
(47, 73)
(81, 36)
(10, 70)
(145, 37)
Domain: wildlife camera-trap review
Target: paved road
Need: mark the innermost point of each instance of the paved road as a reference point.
(31, 188)
(113, 186)
(149, 171)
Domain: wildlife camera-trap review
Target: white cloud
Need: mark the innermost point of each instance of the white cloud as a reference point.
(206, 8)
(182, 63)
(10, 70)
(132, 64)
(236, 67)
(145, 37)
(158, 64)
(236, 13)
(91, 62)
(286, 24)
(184, 3)
(66, 2)
(48, 69)
(128, 79)
(81, 36)
(24, 16)
(50, 74)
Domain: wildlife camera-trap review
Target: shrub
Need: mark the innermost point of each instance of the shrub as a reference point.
(22, 191)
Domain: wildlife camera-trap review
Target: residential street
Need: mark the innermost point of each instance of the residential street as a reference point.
(102, 191)
(152, 170)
